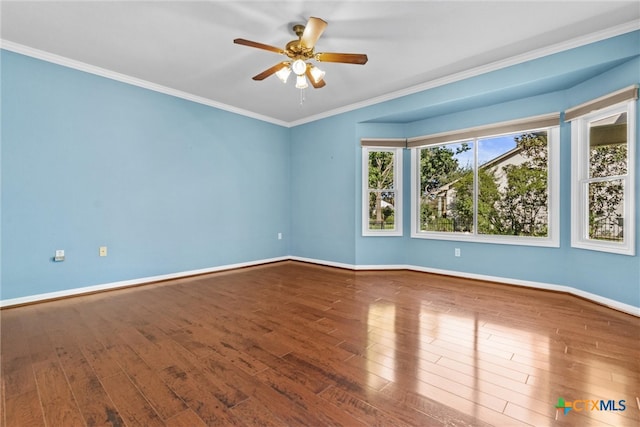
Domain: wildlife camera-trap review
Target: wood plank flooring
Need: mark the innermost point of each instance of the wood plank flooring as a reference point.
(295, 344)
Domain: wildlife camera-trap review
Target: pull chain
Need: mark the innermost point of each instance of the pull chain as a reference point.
(302, 97)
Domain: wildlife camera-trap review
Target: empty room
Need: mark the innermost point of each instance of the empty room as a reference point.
(336, 213)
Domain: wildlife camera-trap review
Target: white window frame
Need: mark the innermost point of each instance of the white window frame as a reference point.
(553, 176)
(397, 188)
(580, 179)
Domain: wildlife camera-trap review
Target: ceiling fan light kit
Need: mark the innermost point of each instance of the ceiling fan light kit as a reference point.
(299, 67)
(283, 74)
(317, 73)
(299, 52)
(301, 82)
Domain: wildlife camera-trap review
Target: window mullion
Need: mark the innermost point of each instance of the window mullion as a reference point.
(476, 186)
(607, 178)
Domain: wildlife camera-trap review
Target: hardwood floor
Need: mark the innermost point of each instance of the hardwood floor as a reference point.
(298, 344)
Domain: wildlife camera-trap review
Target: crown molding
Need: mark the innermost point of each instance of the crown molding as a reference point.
(473, 72)
(103, 72)
(483, 69)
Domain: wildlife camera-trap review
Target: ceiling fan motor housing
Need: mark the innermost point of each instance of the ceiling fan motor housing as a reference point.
(295, 49)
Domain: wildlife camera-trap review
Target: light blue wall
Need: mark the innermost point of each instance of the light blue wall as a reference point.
(322, 179)
(518, 262)
(172, 186)
(380, 250)
(166, 184)
(614, 276)
(544, 85)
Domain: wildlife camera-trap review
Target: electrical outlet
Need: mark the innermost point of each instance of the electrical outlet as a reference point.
(279, 236)
(457, 252)
(103, 251)
(59, 255)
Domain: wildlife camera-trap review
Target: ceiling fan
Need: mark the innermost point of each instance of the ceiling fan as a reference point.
(299, 52)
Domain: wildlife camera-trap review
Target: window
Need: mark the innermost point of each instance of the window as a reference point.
(603, 175)
(382, 194)
(491, 186)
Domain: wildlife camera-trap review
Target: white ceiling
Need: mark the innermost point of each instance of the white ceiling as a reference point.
(187, 47)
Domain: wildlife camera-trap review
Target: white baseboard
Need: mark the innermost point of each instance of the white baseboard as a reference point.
(323, 262)
(617, 305)
(620, 306)
(127, 283)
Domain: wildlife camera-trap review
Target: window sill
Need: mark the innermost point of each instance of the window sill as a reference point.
(621, 249)
(391, 233)
(548, 242)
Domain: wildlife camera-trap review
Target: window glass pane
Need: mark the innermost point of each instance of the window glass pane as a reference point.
(606, 210)
(608, 146)
(382, 191)
(381, 170)
(446, 188)
(381, 210)
(513, 185)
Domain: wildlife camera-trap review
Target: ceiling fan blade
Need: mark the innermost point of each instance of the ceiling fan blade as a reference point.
(259, 45)
(346, 58)
(312, 32)
(266, 73)
(316, 85)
